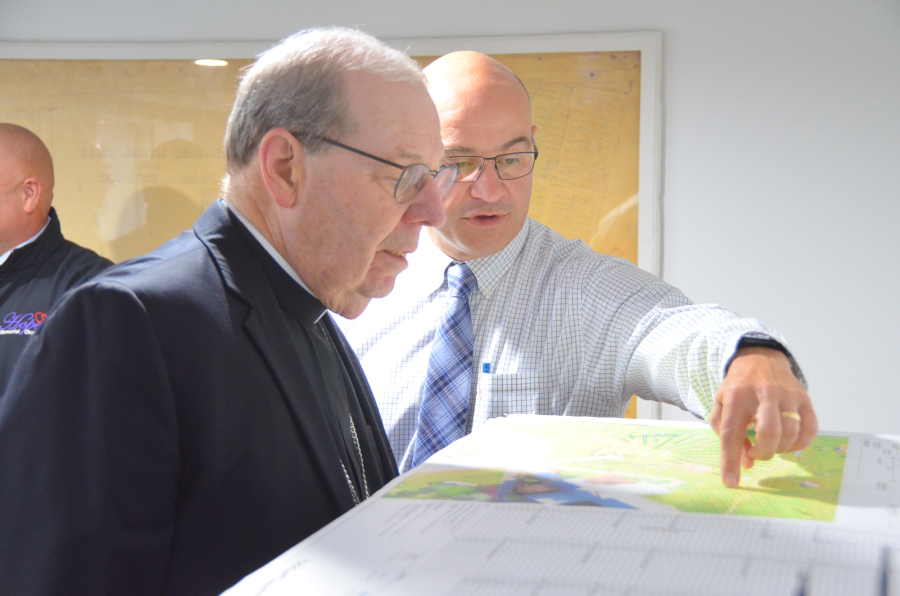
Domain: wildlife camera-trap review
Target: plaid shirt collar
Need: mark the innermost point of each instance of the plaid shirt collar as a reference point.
(488, 270)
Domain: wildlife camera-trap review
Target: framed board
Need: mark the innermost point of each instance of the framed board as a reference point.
(136, 133)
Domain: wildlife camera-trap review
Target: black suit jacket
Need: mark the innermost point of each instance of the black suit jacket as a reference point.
(163, 435)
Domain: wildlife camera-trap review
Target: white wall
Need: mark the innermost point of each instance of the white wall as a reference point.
(781, 148)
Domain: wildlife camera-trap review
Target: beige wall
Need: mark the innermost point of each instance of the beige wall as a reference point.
(137, 145)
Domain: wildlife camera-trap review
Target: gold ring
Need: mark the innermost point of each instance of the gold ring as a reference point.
(793, 415)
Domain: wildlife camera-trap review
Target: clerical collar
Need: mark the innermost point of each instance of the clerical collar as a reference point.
(5, 255)
(292, 294)
(269, 248)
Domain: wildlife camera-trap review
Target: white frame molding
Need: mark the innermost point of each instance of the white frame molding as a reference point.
(649, 43)
(136, 50)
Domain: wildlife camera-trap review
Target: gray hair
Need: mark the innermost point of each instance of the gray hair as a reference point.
(298, 85)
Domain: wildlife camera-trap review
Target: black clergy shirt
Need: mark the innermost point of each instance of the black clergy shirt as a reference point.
(314, 336)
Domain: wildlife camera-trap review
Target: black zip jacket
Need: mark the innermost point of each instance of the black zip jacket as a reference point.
(32, 279)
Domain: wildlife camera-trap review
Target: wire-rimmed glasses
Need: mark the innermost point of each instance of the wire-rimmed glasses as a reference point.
(509, 166)
(412, 177)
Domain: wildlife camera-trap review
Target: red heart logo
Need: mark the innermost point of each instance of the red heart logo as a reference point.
(39, 317)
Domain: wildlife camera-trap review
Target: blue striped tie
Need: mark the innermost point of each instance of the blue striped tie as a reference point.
(445, 402)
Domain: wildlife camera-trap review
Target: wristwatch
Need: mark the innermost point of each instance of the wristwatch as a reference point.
(765, 342)
(762, 342)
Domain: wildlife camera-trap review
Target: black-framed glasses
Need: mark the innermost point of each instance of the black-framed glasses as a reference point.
(412, 178)
(509, 166)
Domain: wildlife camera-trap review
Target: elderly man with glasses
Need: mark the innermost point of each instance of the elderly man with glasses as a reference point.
(499, 314)
(191, 414)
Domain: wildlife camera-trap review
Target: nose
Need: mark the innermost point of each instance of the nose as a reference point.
(426, 207)
(488, 187)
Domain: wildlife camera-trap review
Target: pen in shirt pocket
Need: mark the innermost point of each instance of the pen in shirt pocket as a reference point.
(486, 367)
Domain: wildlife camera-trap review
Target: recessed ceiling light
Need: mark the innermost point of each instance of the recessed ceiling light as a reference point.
(211, 62)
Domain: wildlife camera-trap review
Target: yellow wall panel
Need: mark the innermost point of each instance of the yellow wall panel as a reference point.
(136, 144)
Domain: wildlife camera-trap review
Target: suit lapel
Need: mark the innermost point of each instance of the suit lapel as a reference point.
(267, 330)
(367, 400)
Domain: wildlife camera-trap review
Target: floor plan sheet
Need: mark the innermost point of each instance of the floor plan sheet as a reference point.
(533, 505)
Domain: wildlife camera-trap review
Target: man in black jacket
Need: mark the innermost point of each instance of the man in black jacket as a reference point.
(188, 415)
(37, 265)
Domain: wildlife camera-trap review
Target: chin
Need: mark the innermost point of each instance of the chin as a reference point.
(349, 306)
(352, 303)
(469, 245)
(379, 289)
(379, 282)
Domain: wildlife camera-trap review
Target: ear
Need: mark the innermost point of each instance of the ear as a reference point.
(282, 164)
(533, 129)
(31, 193)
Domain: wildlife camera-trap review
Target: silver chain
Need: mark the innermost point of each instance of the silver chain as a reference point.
(362, 466)
(350, 484)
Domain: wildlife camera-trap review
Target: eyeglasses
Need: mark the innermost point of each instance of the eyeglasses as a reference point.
(509, 166)
(412, 178)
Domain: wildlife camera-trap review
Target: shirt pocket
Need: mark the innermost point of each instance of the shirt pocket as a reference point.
(498, 395)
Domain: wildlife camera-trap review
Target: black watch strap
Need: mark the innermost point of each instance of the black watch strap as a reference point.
(764, 342)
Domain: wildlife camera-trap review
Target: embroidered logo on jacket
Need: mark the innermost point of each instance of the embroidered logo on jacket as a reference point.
(21, 324)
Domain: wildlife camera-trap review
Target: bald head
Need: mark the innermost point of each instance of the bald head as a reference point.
(26, 185)
(472, 81)
(485, 112)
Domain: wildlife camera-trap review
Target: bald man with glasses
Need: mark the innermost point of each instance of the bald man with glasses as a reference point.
(499, 314)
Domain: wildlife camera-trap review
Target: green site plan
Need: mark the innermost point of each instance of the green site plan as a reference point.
(609, 463)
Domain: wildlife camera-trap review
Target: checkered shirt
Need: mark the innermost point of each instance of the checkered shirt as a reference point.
(558, 329)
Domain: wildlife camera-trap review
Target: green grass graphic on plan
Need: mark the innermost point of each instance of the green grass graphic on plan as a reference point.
(589, 462)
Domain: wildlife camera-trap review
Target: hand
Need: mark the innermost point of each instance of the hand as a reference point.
(758, 388)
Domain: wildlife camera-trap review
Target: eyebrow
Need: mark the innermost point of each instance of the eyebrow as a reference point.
(460, 149)
(406, 155)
